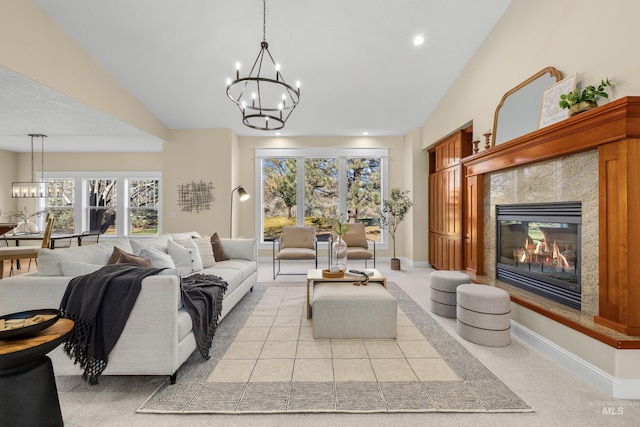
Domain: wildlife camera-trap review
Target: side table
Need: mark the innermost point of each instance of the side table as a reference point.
(28, 393)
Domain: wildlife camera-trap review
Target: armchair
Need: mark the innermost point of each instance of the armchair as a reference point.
(295, 243)
(358, 244)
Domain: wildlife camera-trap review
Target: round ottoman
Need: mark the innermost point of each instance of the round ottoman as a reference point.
(484, 315)
(443, 284)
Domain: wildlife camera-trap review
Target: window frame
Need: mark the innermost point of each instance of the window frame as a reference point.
(300, 154)
(81, 206)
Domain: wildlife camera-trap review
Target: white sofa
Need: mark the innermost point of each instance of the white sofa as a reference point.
(158, 336)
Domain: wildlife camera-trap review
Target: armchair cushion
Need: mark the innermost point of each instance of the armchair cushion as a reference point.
(298, 237)
(356, 236)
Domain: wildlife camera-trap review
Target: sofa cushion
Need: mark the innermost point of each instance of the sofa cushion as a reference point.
(49, 259)
(247, 268)
(159, 242)
(186, 258)
(239, 248)
(233, 277)
(205, 248)
(76, 268)
(158, 258)
(185, 236)
(218, 249)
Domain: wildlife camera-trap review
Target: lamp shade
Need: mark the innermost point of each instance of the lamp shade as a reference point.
(242, 194)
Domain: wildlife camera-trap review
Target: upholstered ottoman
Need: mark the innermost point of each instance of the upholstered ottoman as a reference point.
(342, 310)
(484, 315)
(443, 284)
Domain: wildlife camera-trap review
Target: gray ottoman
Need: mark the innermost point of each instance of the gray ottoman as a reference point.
(443, 284)
(341, 310)
(484, 315)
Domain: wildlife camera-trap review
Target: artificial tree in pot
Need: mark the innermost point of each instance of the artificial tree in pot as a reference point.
(392, 214)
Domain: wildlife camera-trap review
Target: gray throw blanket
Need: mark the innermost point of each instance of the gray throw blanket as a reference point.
(202, 298)
(100, 303)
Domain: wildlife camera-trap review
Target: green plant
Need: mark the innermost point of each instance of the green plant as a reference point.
(393, 212)
(340, 227)
(589, 93)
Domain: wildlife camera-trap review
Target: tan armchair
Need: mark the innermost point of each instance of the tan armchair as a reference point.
(358, 244)
(295, 243)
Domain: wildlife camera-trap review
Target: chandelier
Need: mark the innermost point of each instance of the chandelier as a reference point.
(33, 188)
(263, 97)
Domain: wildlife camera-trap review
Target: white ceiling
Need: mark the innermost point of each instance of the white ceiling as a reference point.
(355, 60)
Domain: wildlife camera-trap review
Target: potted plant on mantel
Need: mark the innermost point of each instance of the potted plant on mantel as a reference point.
(392, 214)
(581, 100)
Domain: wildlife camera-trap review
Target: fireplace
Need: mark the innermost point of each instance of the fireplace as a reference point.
(539, 249)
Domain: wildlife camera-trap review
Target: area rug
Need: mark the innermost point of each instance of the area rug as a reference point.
(264, 360)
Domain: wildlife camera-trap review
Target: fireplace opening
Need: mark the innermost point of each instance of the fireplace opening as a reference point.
(538, 249)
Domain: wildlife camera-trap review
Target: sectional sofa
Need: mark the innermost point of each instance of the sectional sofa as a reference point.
(158, 336)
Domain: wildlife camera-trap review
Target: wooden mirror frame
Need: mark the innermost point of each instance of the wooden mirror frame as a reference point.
(548, 70)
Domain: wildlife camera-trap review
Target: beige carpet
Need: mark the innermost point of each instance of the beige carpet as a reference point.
(265, 360)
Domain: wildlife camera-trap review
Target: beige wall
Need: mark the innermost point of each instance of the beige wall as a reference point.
(192, 155)
(34, 46)
(530, 36)
(8, 173)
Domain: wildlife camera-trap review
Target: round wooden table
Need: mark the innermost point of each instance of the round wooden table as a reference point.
(28, 393)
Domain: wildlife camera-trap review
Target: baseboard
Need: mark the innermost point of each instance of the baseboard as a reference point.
(614, 387)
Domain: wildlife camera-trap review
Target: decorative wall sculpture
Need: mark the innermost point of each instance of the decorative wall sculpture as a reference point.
(196, 196)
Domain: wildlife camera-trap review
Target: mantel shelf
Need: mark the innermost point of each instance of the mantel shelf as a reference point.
(612, 122)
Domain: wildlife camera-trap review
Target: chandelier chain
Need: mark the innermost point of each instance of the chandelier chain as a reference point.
(264, 20)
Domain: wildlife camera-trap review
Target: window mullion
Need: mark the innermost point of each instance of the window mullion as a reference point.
(300, 209)
(342, 186)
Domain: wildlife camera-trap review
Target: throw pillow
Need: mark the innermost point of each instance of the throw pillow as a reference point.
(240, 248)
(133, 259)
(118, 256)
(159, 242)
(218, 250)
(158, 258)
(186, 259)
(206, 251)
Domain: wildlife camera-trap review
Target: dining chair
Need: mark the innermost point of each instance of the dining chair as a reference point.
(24, 252)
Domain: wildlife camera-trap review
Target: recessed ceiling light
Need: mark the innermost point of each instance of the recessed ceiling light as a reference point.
(418, 40)
(365, 133)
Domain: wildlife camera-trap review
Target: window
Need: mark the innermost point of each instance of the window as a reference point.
(115, 204)
(144, 198)
(62, 208)
(314, 186)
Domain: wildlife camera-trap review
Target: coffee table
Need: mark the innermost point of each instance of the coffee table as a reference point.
(315, 276)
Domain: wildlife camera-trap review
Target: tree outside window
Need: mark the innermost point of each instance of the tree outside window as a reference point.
(322, 196)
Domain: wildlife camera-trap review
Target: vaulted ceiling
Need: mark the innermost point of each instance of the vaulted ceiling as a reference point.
(356, 61)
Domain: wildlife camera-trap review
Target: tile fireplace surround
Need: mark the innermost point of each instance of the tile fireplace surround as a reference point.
(568, 179)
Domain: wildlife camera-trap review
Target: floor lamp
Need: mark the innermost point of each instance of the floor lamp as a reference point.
(243, 196)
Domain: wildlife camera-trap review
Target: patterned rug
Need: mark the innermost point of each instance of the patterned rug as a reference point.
(264, 360)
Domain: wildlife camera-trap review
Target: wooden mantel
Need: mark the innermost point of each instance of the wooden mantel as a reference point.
(614, 130)
(612, 122)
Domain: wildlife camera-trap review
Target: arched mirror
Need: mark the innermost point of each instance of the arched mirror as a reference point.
(519, 110)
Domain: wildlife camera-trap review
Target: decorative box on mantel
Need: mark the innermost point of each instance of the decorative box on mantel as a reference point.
(614, 130)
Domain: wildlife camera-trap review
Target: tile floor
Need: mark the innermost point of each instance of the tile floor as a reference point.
(276, 345)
